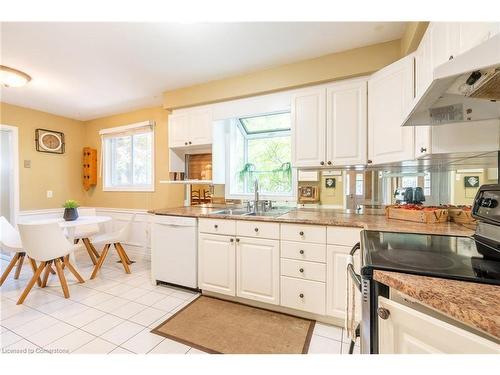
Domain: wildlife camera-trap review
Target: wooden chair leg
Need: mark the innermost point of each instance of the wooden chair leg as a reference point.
(31, 283)
(62, 278)
(122, 257)
(46, 274)
(125, 255)
(9, 268)
(100, 262)
(86, 242)
(73, 270)
(20, 263)
(33, 267)
(52, 270)
(75, 241)
(94, 250)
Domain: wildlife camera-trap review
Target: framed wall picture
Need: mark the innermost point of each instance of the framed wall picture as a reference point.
(50, 141)
(330, 183)
(471, 181)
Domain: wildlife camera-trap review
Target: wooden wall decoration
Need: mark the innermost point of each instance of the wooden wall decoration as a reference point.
(89, 167)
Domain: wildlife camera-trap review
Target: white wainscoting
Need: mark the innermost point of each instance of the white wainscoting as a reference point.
(139, 244)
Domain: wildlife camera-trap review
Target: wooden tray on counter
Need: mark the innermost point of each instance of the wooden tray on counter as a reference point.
(461, 216)
(427, 216)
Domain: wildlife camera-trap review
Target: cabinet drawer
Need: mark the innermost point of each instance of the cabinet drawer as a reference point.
(303, 251)
(303, 295)
(345, 236)
(217, 226)
(303, 270)
(303, 233)
(258, 229)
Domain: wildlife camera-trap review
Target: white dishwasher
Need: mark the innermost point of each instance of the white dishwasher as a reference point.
(174, 250)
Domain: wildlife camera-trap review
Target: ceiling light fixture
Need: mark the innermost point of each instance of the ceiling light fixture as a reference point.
(10, 77)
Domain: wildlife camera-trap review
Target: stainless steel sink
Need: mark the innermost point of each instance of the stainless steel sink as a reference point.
(244, 212)
(231, 211)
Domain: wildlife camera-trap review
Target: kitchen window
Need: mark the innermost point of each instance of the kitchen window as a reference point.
(128, 157)
(261, 148)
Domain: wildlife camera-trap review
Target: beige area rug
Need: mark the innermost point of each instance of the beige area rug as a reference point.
(217, 326)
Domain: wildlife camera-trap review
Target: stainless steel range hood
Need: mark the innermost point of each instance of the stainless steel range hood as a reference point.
(466, 88)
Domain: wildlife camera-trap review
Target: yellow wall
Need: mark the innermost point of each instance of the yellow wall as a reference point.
(341, 65)
(59, 173)
(463, 195)
(412, 36)
(164, 195)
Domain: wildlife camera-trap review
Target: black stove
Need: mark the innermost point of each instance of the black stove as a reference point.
(473, 259)
(460, 258)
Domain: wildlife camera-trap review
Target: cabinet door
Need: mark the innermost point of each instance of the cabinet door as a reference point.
(442, 42)
(309, 128)
(336, 280)
(216, 263)
(346, 123)
(423, 141)
(257, 269)
(390, 94)
(408, 331)
(424, 65)
(470, 34)
(178, 130)
(200, 127)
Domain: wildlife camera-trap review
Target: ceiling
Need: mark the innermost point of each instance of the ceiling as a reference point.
(89, 70)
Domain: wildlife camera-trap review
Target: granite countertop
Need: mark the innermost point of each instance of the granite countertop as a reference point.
(473, 304)
(322, 216)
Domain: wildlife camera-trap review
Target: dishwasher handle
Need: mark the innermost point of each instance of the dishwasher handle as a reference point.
(350, 266)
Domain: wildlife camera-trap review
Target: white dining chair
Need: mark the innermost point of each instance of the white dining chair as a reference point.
(47, 244)
(85, 232)
(11, 242)
(115, 239)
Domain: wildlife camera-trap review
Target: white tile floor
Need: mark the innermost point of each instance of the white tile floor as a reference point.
(112, 314)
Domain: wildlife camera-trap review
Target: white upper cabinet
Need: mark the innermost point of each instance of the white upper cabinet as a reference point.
(200, 127)
(390, 94)
(190, 127)
(346, 123)
(178, 129)
(466, 35)
(329, 125)
(309, 128)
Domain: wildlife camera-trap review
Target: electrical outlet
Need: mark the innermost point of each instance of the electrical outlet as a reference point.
(27, 164)
(49, 194)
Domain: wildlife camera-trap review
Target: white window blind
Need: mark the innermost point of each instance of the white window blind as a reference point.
(127, 157)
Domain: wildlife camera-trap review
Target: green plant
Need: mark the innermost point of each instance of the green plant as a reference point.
(70, 203)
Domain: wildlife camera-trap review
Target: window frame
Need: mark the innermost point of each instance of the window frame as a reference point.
(107, 158)
(236, 123)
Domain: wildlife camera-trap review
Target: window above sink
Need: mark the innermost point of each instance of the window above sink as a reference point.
(260, 148)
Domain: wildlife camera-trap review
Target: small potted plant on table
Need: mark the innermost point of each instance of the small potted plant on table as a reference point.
(70, 210)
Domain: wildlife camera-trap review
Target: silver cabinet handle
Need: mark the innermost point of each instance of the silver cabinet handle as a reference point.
(216, 226)
(231, 240)
(301, 252)
(256, 229)
(237, 240)
(383, 313)
(301, 233)
(301, 270)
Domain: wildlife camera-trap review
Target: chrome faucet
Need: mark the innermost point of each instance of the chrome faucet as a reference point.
(256, 191)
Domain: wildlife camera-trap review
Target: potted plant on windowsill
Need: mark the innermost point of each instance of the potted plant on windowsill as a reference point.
(70, 210)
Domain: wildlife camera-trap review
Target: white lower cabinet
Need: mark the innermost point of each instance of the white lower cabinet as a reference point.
(408, 331)
(217, 263)
(336, 271)
(305, 295)
(257, 269)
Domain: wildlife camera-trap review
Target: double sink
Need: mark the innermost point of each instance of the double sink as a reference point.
(244, 212)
